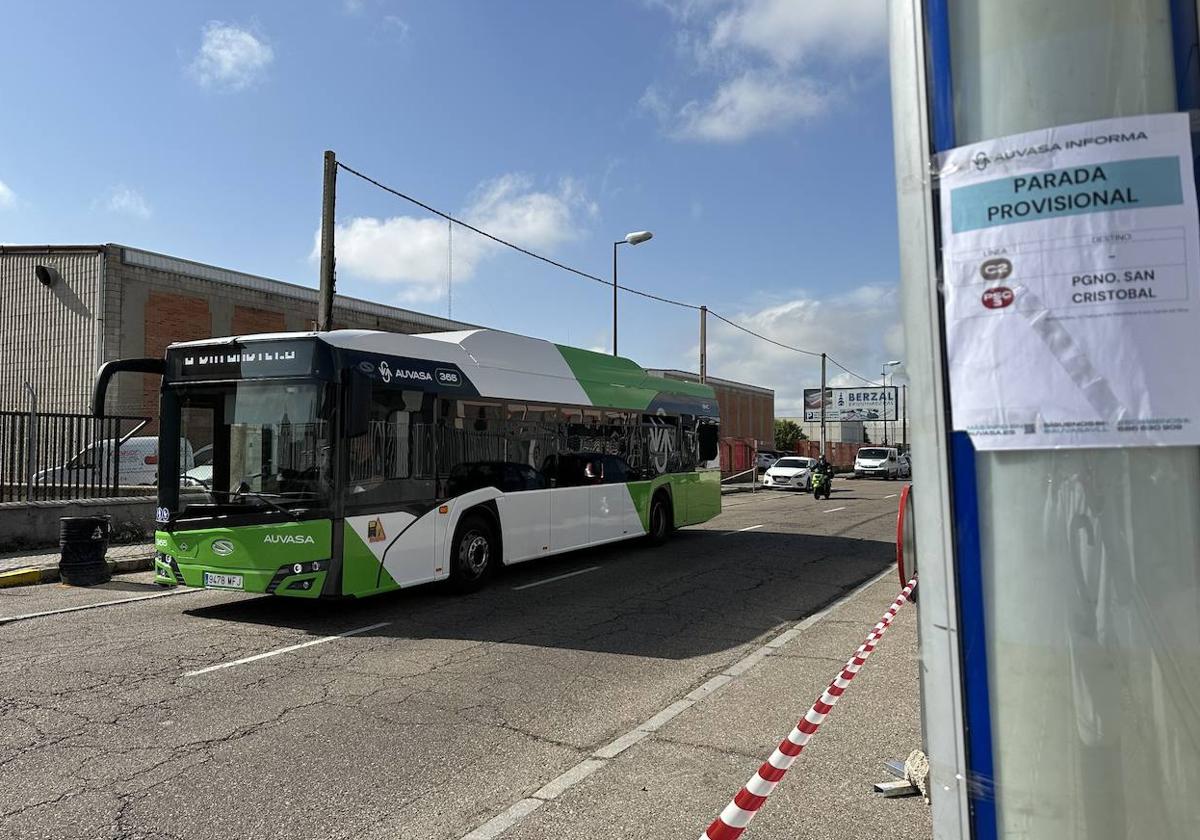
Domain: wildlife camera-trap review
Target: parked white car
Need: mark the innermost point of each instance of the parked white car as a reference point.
(138, 463)
(881, 461)
(791, 472)
(905, 466)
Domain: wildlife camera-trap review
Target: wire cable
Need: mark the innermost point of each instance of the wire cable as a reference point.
(508, 244)
(855, 375)
(720, 317)
(455, 221)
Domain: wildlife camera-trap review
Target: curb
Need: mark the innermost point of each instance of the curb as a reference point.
(49, 574)
(20, 577)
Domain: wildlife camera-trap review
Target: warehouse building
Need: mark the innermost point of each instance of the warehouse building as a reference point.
(747, 411)
(66, 309)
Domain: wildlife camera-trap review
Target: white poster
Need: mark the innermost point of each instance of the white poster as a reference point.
(1071, 257)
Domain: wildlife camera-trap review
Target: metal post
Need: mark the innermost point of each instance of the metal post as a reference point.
(328, 200)
(904, 421)
(703, 344)
(615, 244)
(31, 441)
(883, 424)
(822, 405)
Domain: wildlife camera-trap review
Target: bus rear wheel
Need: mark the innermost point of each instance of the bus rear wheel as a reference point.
(660, 520)
(473, 555)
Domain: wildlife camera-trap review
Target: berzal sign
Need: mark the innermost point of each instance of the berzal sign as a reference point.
(843, 404)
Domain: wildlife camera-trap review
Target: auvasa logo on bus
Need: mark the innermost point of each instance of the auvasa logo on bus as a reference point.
(294, 539)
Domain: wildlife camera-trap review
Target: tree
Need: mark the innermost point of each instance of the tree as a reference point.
(787, 432)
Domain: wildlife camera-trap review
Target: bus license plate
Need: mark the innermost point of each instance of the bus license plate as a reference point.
(216, 581)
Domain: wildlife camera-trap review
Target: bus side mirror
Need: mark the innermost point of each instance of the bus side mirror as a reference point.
(358, 404)
(709, 441)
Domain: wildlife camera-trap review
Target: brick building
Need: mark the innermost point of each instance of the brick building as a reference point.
(747, 411)
(66, 309)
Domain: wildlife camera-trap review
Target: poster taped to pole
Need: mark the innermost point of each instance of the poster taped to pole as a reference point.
(1071, 259)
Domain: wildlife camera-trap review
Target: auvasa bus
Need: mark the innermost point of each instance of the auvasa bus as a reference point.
(353, 462)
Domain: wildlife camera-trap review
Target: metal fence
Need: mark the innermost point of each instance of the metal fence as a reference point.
(50, 456)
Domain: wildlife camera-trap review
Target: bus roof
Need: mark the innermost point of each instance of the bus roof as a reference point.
(503, 365)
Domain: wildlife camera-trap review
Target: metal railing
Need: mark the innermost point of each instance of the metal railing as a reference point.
(48, 456)
(752, 472)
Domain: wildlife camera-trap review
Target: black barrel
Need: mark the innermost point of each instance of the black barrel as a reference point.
(84, 542)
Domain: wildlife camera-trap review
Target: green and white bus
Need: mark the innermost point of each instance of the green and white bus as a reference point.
(353, 462)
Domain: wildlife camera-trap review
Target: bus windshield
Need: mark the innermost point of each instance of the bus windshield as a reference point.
(266, 445)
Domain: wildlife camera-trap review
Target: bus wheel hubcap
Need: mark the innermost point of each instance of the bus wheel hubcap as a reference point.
(475, 552)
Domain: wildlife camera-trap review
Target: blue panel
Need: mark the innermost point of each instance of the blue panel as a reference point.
(968, 563)
(941, 93)
(973, 637)
(1187, 54)
(1186, 51)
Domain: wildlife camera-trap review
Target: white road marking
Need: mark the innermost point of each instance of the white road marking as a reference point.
(287, 649)
(522, 808)
(501, 823)
(741, 530)
(556, 577)
(11, 618)
(574, 776)
(834, 510)
(890, 496)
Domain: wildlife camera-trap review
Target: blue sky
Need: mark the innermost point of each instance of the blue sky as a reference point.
(752, 136)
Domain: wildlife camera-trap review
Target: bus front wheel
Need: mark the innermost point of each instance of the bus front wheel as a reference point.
(474, 553)
(660, 520)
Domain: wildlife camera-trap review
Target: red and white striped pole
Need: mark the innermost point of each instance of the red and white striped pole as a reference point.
(731, 822)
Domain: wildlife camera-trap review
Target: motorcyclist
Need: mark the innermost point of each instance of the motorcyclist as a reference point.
(823, 466)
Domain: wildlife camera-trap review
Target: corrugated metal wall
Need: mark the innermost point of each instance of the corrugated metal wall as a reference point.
(48, 334)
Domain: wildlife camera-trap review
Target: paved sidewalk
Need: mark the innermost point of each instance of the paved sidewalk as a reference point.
(40, 565)
(673, 782)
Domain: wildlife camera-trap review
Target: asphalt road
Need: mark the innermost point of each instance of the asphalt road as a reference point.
(414, 715)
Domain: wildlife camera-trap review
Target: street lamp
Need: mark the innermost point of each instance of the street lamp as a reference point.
(884, 374)
(635, 238)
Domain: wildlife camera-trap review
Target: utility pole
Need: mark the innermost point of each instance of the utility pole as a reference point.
(703, 344)
(822, 405)
(328, 200)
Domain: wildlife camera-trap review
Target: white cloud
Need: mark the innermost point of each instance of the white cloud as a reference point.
(788, 31)
(859, 328)
(230, 58)
(129, 202)
(770, 63)
(8, 198)
(396, 26)
(747, 105)
(412, 252)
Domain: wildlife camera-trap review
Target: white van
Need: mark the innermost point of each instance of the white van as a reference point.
(138, 463)
(881, 461)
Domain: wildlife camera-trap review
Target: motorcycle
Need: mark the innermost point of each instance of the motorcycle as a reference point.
(821, 485)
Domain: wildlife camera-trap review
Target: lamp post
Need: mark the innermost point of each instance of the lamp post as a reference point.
(635, 238)
(884, 374)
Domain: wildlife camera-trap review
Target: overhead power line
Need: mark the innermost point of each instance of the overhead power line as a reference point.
(456, 221)
(508, 244)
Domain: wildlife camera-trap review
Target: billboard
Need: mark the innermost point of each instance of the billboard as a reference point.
(851, 404)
